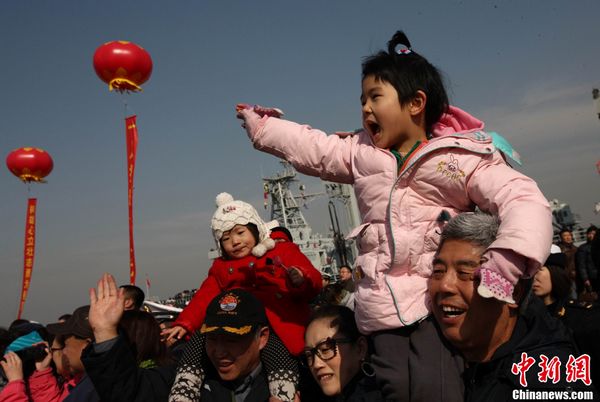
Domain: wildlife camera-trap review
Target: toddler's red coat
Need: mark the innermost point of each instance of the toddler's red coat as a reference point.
(287, 307)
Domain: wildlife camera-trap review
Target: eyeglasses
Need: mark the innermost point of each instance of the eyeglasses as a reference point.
(326, 350)
(56, 349)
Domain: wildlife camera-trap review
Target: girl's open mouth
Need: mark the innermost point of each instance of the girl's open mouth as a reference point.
(373, 128)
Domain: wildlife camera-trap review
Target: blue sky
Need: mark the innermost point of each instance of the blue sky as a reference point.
(526, 68)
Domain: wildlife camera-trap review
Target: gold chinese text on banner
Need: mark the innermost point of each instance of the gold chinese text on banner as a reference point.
(28, 252)
(132, 141)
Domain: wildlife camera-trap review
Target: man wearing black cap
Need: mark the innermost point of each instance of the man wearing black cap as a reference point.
(78, 335)
(236, 330)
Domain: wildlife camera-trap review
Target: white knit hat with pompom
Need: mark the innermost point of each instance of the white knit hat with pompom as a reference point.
(232, 212)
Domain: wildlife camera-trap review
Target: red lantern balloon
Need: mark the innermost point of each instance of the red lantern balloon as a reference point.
(30, 164)
(123, 65)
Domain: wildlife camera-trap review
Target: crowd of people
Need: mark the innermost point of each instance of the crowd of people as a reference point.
(456, 294)
(580, 265)
(112, 349)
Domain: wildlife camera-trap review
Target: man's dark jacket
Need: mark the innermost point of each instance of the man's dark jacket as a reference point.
(536, 333)
(117, 377)
(216, 390)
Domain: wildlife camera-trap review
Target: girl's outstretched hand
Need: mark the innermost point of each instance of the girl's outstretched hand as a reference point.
(260, 110)
(106, 308)
(12, 366)
(251, 120)
(254, 116)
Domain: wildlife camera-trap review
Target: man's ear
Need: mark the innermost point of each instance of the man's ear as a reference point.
(87, 343)
(263, 337)
(128, 304)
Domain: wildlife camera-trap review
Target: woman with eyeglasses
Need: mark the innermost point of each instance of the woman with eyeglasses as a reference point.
(336, 355)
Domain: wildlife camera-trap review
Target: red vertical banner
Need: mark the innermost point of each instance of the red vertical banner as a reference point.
(28, 252)
(131, 134)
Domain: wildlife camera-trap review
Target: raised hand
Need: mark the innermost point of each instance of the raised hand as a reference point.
(12, 366)
(106, 308)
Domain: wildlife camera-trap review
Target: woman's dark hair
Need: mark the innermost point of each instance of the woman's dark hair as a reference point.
(143, 333)
(20, 328)
(561, 283)
(16, 323)
(408, 72)
(5, 339)
(332, 294)
(342, 319)
(253, 229)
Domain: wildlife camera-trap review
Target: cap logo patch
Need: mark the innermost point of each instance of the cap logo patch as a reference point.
(229, 208)
(228, 302)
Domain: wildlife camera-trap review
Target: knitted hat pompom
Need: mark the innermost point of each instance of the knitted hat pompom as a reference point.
(223, 198)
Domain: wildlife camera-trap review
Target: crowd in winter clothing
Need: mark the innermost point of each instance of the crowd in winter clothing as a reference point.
(452, 296)
(112, 350)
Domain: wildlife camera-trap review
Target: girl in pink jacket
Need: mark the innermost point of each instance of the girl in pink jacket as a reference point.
(416, 163)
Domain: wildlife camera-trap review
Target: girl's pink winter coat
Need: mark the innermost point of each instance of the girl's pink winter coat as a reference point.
(402, 211)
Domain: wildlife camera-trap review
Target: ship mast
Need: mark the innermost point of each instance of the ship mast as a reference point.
(285, 207)
(325, 252)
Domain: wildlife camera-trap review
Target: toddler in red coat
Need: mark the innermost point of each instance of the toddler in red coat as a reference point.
(278, 274)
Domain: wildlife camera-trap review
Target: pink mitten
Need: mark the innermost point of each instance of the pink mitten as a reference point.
(252, 121)
(500, 273)
(494, 285)
(260, 110)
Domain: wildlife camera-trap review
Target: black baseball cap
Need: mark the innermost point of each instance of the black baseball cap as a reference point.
(235, 312)
(78, 324)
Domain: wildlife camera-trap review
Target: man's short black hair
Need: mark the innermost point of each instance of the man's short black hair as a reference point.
(134, 293)
(564, 230)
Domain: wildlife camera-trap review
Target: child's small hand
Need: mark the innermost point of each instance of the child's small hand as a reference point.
(296, 276)
(12, 366)
(260, 110)
(171, 335)
(252, 120)
(254, 116)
